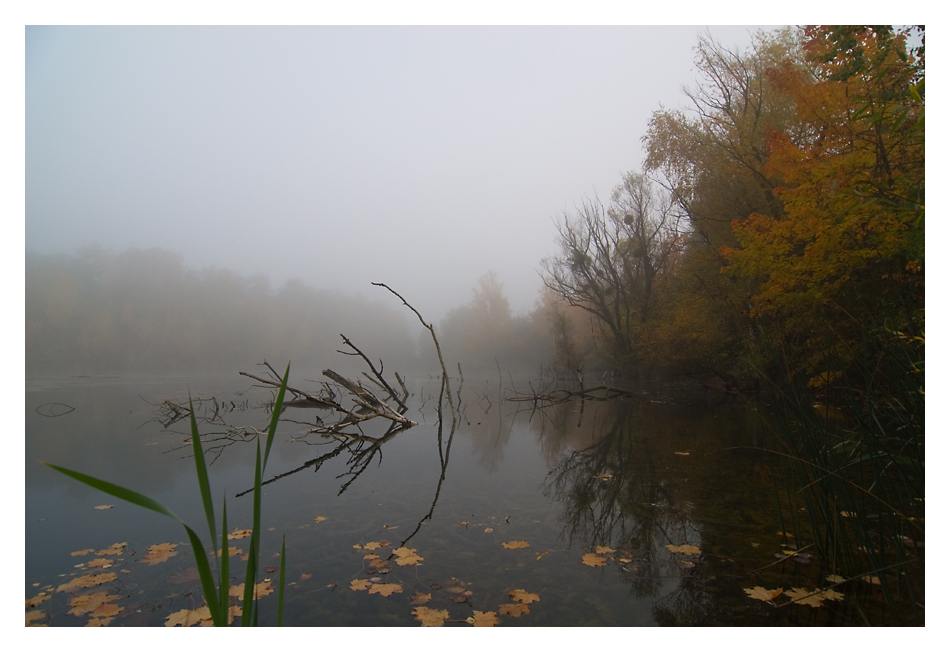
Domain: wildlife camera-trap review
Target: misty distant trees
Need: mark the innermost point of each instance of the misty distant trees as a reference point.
(143, 311)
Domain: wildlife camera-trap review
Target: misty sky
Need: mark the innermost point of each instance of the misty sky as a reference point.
(422, 157)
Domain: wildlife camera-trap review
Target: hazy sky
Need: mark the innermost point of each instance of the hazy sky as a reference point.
(418, 156)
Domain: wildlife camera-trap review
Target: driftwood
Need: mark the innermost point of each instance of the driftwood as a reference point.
(372, 406)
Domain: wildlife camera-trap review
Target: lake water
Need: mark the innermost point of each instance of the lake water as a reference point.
(636, 476)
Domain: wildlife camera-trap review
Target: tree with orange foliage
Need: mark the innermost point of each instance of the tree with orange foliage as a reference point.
(850, 236)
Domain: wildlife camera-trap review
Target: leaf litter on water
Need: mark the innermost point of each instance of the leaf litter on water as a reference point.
(511, 545)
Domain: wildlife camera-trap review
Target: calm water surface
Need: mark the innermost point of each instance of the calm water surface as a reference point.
(634, 475)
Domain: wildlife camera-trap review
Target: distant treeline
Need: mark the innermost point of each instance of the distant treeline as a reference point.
(143, 311)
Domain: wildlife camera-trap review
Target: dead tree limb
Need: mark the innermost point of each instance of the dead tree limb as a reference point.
(365, 398)
(438, 350)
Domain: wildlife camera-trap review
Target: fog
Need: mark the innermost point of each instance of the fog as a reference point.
(422, 157)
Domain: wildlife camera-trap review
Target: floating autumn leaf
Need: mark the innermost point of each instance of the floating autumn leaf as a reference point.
(320, 519)
(463, 524)
(604, 550)
(37, 600)
(542, 555)
(359, 585)
(260, 590)
(872, 579)
(590, 559)
(760, 593)
(271, 569)
(813, 598)
(91, 602)
(188, 617)
(305, 576)
(385, 589)
(420, 598)
(684, 549)
(87, 581)
(406, 556)
(515, 610)
(233, 550)
(490, 529)
(239, 534)
(80, 553)
(603, 476)
(104, 506)
(114, 549)
(678, 453)
(32, 616)
(483, 619)
(511, 545)
(99, 622)
(835, 579)
(159, 553)
(849, 515)
(522, 596)
(430, 617)
(372, 545)
(358, 546)
(99, 563)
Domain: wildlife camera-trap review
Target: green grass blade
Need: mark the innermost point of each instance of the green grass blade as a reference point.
(115, 490)
(251, 575)
(223, 568)
(207, 580)
(280, 586)
(202, 471)
(278, 404)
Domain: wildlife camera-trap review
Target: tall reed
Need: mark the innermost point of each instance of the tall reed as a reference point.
(217, 597)
(855, 460)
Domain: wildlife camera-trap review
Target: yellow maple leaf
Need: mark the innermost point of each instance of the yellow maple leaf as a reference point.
(603, 550)
(320, 519)
(590, 559)
(515, 610)
(385, 589)
(79, 553)
(239, 534)
(232, 550)
(36, 600)
(511, 545)
(430, 617)
(99, 622)
(371, 545)
(872, 579)
(408, 560)
(489, 529)
(99, 563)
(835, 579)
(104, 506)
(684, 549)
(86, 581)
(260, 590)
(159, 553)
(760, 593)
(522, 596)
(114, 549)
(359, 585)
(188, 617)
(483, 619)
(804, 596)
(89, 602)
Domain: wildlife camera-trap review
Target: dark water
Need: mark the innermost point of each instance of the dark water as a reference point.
(565, 480)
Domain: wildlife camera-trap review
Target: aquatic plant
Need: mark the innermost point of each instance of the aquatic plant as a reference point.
(216, 597)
